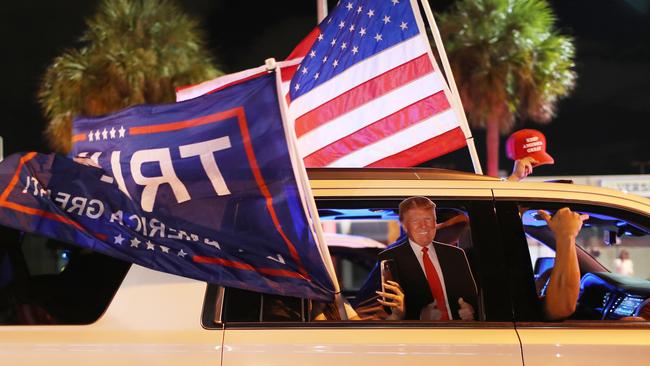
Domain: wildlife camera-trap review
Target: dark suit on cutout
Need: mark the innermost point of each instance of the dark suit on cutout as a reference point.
(455, 270)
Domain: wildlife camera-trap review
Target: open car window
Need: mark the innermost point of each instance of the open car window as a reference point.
(356, 232)
(613, 255)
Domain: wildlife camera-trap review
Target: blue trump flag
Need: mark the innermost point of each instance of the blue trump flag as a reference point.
(204, 189)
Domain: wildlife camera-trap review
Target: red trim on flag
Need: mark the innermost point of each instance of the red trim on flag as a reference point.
(30, 210)
(265, 190)
(78, 137)
(245, 266)
(173, 126)
(379, 130)
(449, 141)
(364, 93)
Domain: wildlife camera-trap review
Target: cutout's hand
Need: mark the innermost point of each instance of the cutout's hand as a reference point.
(466, 311)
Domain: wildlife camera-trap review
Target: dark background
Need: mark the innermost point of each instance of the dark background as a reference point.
(599, 129)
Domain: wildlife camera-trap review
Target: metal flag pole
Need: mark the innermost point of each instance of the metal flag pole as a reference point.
(321, 10)
(455, 96)
(307, 197)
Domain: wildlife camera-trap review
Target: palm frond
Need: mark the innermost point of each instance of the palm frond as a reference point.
(133, 52)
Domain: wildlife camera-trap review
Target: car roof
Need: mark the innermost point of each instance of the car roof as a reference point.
(393, 174)
(402, 182)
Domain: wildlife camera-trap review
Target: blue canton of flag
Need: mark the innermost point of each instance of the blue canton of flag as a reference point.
(204, 188)
(353, 31)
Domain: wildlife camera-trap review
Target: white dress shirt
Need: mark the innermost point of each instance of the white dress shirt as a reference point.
(417, 249)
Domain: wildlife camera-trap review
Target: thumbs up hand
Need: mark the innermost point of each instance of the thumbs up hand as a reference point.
(466, 311)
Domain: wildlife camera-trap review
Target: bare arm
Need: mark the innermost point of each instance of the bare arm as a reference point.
(564, 285)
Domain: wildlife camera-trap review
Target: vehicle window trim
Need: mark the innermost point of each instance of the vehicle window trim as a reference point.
(372, 324)
(212, 311)
(582, 324)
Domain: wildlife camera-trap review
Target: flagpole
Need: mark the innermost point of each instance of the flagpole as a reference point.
(307, 197)
(321, 10)
(455, 97)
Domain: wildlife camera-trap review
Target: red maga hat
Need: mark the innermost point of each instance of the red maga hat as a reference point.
(528, 143)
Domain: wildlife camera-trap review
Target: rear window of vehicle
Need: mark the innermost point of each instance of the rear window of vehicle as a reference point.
(44, 281)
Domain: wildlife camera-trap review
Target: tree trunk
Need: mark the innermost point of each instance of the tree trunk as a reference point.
(492, 147)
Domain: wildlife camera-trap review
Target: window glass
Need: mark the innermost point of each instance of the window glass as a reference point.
(355, 235)
(48, 282)
(243, 306)
(613, 255)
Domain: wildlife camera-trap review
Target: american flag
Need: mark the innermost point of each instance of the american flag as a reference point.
(369, 93)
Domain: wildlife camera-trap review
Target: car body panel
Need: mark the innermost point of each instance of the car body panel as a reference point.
(154, 319)
(562, 346)
(381, 346)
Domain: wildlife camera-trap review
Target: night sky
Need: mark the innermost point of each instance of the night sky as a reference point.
(599, 129)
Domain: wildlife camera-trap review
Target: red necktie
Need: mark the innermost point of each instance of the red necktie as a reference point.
(434, 284)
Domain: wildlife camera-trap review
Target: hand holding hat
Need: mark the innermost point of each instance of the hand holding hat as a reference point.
(530, 144)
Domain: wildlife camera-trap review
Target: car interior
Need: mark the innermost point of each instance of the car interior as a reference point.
(604, 294)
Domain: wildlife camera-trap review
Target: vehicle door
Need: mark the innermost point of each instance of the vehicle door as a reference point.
(610, 324)
(63, 305)
(290, 337)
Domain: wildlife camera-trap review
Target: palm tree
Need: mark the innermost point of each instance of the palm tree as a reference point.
(509, 62)
(133, 52)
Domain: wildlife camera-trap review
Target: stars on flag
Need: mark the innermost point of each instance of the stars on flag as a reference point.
(105, 134)
(149, 245)
(118, 239)
(345, 43)
(135, 242)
